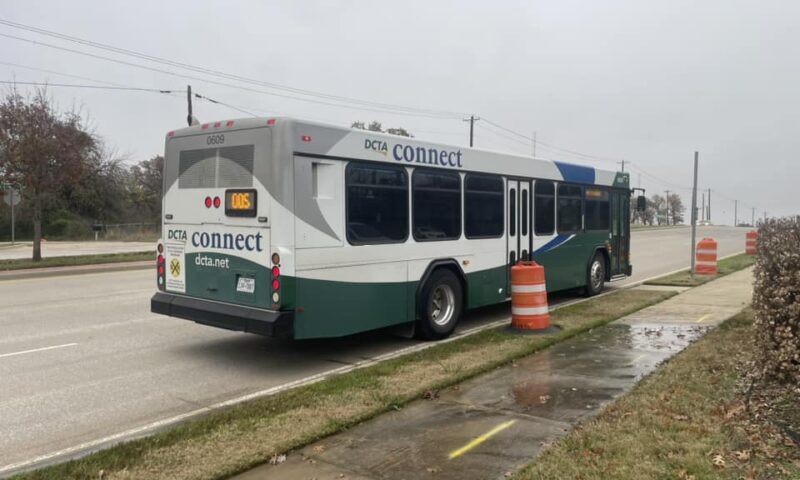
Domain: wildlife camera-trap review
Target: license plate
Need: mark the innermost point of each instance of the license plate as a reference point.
(246, 285)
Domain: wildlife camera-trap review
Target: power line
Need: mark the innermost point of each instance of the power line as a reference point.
(238, 109)
(215, 82)
(61, 74)
(229, 76)
(100, 87)
(552, 147)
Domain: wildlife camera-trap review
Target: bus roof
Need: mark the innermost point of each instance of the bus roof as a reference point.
(324, 140)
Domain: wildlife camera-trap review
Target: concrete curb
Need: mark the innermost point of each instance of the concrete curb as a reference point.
(74, 270)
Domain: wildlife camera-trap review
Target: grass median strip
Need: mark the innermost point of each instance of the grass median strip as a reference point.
(685, 421)
(75, 260)
(725, 266)
(235, 439)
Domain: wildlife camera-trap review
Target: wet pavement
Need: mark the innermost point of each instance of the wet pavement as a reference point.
(499, 421)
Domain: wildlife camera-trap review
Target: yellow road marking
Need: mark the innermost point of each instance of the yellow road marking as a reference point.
(481, 439)
(699, 320)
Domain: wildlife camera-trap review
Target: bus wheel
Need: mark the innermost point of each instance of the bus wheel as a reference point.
(440, 305)
(596, 275)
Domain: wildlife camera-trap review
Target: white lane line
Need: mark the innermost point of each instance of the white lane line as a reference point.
(87, 447)
(37, 350)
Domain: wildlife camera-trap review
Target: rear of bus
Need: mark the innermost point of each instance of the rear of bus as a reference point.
(216, 261)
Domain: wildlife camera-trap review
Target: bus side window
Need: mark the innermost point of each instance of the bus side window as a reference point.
(483, 206)
(570, 198)
(544, 208)
(377, 204)
(436, 204)
(597, 210)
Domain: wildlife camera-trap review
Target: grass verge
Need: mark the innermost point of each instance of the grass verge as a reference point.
(241, 437)
(76, 260)
(725, 266)
(685, 421)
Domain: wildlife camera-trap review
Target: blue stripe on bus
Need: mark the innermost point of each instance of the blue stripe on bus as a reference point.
(576, 173)
(554, 243)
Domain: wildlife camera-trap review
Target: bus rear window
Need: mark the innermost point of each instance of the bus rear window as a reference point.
(226, 167)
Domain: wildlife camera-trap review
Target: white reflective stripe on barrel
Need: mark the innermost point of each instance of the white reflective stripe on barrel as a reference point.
(528, 288)
(706, 263)
(706, 252)
(529, 310)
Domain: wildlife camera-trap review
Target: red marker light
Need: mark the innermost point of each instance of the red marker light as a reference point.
(229, 123)
(208, 202)
(271, 121)
(171, 134)
(306, 138)
(217, 124)
(276, 272)
(276, 284)
(205, 126)
(217, 202)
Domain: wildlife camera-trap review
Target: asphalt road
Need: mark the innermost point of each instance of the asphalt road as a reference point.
(83, 363)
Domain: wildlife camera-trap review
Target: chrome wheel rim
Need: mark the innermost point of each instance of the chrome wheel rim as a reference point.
(442, 305)
(596, 275)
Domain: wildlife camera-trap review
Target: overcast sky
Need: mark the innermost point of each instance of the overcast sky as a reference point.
(645, 81)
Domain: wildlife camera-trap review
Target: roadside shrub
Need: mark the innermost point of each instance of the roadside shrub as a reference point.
(776, 300)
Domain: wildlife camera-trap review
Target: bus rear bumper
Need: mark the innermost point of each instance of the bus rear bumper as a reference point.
(269, 323)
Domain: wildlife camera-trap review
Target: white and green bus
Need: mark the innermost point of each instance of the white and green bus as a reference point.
(283, 227)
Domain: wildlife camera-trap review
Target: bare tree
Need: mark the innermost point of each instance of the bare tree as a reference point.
(375, 126)
(41, 151)
(676, 208)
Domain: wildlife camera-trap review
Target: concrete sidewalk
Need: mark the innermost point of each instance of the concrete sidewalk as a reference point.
(497, 422)
(64, 249)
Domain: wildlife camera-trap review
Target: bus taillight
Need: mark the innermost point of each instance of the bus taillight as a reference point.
(160, 267)
(208, 202)
(276, 283)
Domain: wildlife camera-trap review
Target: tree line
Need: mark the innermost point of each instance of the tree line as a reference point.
(66, 176)
(666, 210)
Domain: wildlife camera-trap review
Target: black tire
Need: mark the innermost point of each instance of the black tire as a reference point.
(437, 319)
(596, 275)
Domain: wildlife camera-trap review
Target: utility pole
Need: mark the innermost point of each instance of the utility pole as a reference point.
(13, 238)
(694, 211)
(735, 212)
(471, 120)
(189, 102)
(709, 205)
(666, 204)
(703, 210)
(622, 162)
(534, 145)
(753, 218)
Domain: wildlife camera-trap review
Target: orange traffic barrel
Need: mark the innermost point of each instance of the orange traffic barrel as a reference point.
(529, 309)
(750, 244)
(706, 257)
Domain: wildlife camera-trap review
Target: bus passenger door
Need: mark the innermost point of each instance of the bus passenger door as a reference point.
(620, 233)
(519, 224)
